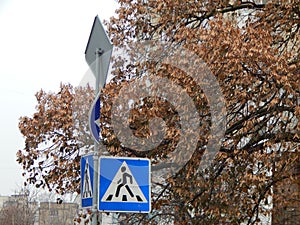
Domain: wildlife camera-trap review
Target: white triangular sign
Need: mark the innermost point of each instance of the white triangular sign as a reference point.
(124, 188)
(87, 185)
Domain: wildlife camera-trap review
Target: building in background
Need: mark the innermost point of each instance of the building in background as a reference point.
(53, 213)
(17, 210)
(3, 199)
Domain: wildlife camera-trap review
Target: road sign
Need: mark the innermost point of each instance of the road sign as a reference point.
(87, 180)
(124, 185)
(98, 41)
(94, 119)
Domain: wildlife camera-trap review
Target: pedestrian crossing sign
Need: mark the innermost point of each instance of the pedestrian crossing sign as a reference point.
(124, 185)
(87, 181)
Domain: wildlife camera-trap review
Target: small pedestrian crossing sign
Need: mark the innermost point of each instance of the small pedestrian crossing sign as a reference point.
(124, 185)
(87, 175)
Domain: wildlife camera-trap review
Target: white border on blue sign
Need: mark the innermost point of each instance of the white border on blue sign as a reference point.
(149, 182)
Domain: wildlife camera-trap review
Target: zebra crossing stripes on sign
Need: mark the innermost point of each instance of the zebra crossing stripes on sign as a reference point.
(124, 184)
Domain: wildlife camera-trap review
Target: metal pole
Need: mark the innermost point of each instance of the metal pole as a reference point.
(95, 185)
(101, 84)
(98, 53)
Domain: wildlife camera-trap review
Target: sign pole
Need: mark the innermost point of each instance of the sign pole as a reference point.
(98, 53)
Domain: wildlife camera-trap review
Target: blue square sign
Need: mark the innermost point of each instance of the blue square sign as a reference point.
(124, 185)
(87, 180)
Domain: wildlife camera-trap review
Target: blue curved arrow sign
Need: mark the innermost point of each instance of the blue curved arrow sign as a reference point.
(94, 118)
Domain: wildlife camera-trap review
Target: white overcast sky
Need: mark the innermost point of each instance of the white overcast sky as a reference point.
(42, 44)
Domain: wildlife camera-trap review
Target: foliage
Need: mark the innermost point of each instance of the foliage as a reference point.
(253, 51)
(55, 138)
